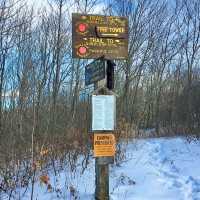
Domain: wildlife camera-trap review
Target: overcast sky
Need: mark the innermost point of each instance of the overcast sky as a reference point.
(39, 4)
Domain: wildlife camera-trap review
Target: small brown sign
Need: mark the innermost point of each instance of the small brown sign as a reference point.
(104, 145)
(94, 36)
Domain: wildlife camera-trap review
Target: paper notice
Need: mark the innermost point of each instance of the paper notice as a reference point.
(103, 112)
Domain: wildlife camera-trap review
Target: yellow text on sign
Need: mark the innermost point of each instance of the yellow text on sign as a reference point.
(104, 145)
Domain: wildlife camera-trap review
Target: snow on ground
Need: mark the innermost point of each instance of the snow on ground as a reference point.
(157, 169)
(164, 169)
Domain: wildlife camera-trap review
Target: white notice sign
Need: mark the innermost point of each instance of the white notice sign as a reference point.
(103, 112)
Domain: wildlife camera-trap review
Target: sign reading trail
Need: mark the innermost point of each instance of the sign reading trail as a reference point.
(94, 72)
(94, 36)
(104, 145)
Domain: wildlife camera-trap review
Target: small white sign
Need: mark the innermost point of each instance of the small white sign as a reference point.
(103, 112)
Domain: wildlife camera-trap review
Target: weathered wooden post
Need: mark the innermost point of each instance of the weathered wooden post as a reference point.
(102, 181)
(102, 163)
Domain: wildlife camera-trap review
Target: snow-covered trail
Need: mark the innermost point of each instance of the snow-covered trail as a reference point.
(174, 164)
(163, 169)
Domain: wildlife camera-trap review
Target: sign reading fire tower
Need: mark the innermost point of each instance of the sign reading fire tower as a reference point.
(94, 36)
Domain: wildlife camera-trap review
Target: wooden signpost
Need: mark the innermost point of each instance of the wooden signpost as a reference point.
(102, 38)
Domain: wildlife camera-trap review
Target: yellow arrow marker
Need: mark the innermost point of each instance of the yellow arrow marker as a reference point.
(110, 34)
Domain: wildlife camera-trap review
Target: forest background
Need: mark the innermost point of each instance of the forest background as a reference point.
(44, 104)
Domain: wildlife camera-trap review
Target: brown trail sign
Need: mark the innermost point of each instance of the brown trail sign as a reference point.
(94, 36)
